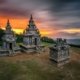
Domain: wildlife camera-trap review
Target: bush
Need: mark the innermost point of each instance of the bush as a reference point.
(19, 38)
(47, 39)
(1, 34)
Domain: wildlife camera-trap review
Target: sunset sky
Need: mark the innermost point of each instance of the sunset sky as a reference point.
(54, 18)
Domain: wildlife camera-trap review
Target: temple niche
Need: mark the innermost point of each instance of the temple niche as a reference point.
(9, 41)
(31, 36)
(59, 53)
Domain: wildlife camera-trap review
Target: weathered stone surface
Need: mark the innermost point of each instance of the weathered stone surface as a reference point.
(9, 42)
(31, 37)
(60, 52)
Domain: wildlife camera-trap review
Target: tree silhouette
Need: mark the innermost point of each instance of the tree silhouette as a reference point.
(1, 34)
(47, 39)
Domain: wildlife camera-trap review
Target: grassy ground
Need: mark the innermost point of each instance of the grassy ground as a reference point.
(43, 43)
(39, 67)
(47, 44)
(76, 49)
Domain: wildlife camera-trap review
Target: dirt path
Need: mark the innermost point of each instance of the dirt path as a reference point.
(75, 54)
(27, 56)
(43, 57)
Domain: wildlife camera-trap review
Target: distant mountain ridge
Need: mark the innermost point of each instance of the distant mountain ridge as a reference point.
(73, 41)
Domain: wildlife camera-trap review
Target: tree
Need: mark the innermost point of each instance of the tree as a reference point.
(1, 34)
(19, 38)
(47, 39)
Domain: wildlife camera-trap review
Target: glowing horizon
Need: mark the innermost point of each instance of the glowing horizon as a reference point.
(53, 18)
(19, 25)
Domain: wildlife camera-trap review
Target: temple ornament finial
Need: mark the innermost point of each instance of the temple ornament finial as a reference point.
(8, 22)
(31, 16)
(8, 26)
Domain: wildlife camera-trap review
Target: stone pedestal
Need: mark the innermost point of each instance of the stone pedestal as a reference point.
(59, 53)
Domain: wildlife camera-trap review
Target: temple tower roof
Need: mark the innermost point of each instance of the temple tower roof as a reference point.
(32, 25)
(8, 26)
(31, 29)
(31, 18)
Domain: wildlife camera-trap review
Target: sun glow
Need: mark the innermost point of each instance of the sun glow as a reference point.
(71, 30)
(18, 31)
(19, 25)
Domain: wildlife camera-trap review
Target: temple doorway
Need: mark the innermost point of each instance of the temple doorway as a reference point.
(35, 41)
(10, 46)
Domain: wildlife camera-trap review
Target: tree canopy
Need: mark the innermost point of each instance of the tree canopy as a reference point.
(47, 39)
(1, 34)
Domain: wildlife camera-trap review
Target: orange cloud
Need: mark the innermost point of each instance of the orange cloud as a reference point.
(18, 25)
(15, 23)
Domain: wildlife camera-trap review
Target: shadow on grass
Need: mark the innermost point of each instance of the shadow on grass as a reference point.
(32, 70)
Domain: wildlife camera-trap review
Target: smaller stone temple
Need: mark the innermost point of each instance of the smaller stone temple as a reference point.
(31, 37)
(9, 42)
(59, 53)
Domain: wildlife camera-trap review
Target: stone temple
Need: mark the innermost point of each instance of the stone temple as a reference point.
(59, 53)
(31, 37)
(9, 46)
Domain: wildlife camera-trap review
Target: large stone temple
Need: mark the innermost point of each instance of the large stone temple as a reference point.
(59, 53)
(9, 41)
(31, 36)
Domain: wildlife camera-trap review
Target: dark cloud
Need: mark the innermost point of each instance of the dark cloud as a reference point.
(2, 1)
(10, 12)
(68, 26)
(68, 35)
(72, 25)
(60, 5)
(65, 8)
(59, 8)
(64, 14)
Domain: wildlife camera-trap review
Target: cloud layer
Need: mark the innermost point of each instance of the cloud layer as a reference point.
(54, 15)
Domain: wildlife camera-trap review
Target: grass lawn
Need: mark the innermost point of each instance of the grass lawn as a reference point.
(76, 49)
(43, 43)
(47, 44)
(39, 67)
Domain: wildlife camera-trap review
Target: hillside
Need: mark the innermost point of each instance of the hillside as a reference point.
(39, 67)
